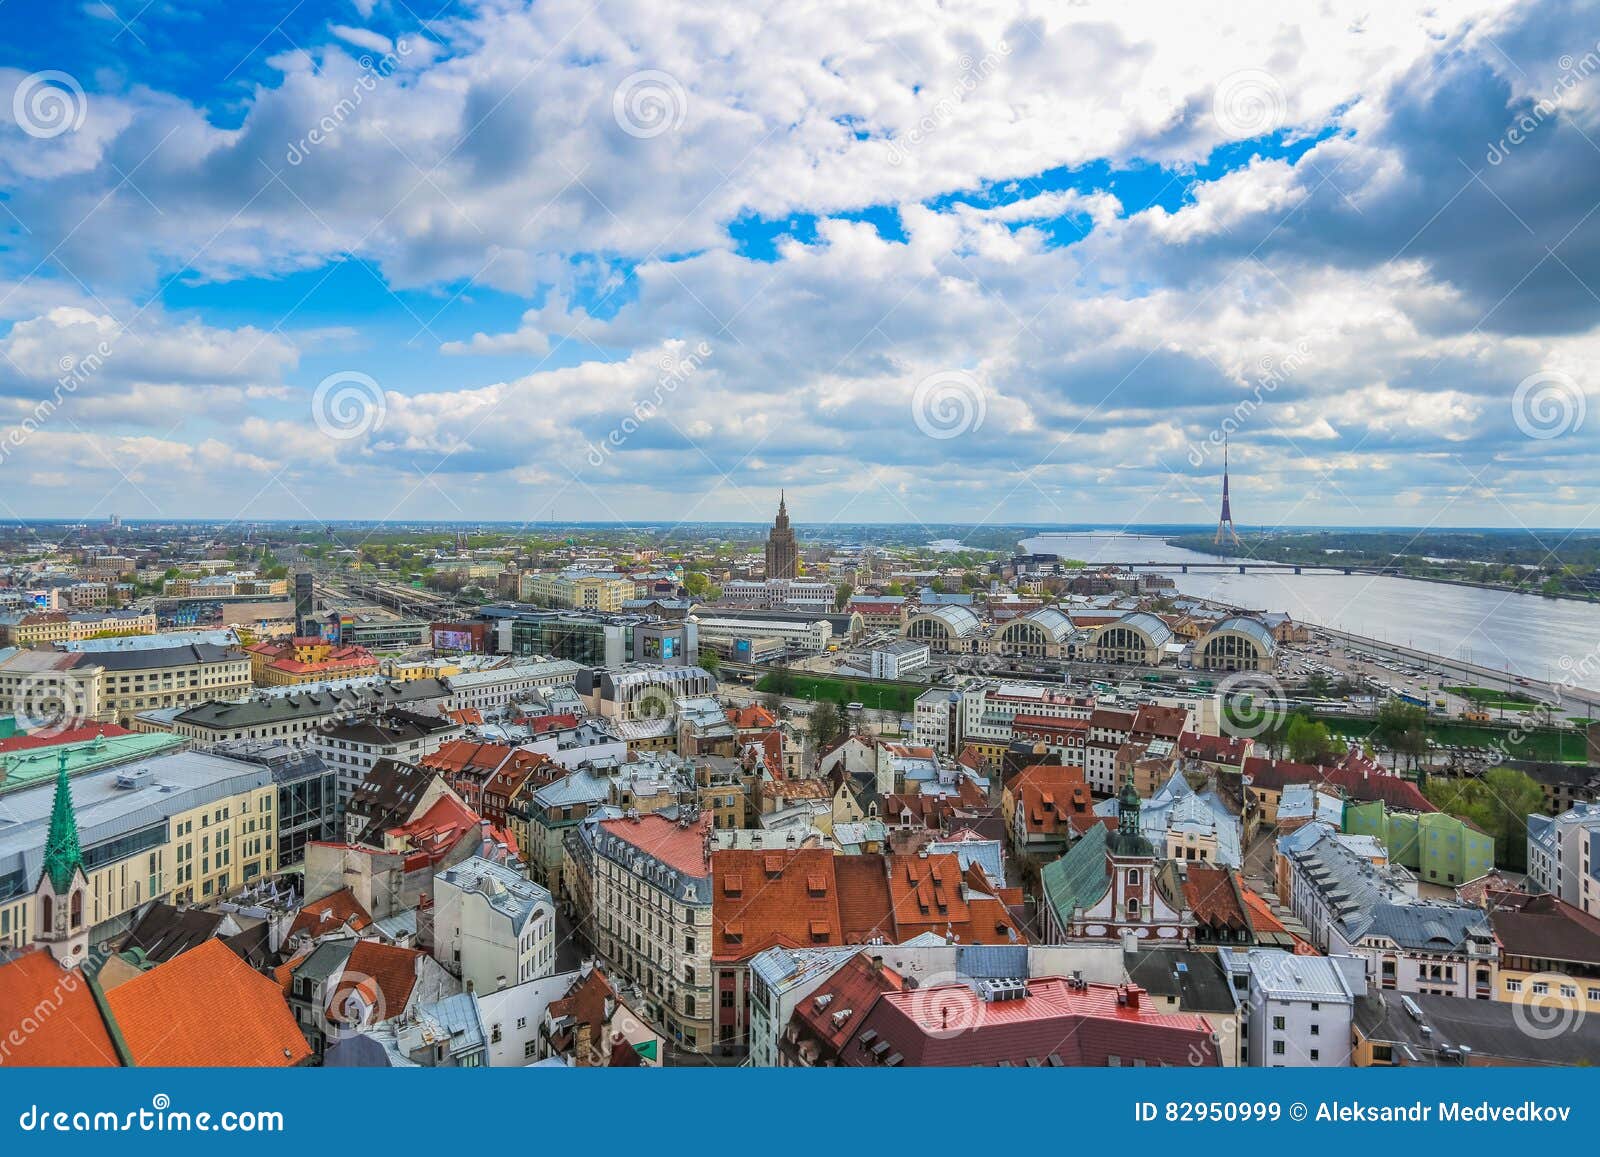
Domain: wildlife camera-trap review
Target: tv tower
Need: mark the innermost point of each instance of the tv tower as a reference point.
(1225, 531)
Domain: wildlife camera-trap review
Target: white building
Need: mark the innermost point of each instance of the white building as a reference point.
(492, 926)
(1564, 855)
(799, 634)
(353, 747)
(1295, 1011)
(1354, 907)
(898, 659)
(499, 686)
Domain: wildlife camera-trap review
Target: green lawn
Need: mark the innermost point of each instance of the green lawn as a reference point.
(1486, 697)
(1549, 744)
(878, 696)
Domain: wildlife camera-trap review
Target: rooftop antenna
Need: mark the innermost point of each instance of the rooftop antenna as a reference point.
(1225, 531)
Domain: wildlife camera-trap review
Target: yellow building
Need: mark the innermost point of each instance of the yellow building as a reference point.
(40, 627)
(307, 659)
(576, 590)
(142, 680)
(187, 825)
(401, 670)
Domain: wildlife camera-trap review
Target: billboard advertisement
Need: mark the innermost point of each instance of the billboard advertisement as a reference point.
(458, 637)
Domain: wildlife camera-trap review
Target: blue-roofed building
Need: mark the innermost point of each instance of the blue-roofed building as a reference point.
(1354, 906)
(1186, 825)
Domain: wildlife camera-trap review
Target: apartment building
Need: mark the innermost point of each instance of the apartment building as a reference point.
(186, 826)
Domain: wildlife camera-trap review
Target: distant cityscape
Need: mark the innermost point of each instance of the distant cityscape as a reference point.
(489, 797)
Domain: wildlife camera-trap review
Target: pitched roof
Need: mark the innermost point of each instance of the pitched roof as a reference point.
(1213, 895)
(73, 1033)
(761, 899)
(1052, 1022)
(1544, 927)
(1080, 877)
(831, 1014)
(682, 848)
(381, 976)
(207, 1008)
(866, 910)
(329, 914)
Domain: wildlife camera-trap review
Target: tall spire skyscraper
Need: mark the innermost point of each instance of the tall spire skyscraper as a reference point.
(783, 553)
(1225, 531)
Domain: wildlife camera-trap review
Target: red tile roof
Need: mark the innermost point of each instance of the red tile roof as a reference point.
(829, 1016)
(866, 909)
(58, 738)
(760, 900)
(67, 1028)
(680, 848)
(540, 724)
(1049, 796)
(1212, 894)
(1161, 722)
(1214, 748)
(930, 894)
(952, 1025)
(1354, 781)
(207, 1008)
(329, 914)
(434, 834)
(380, 976)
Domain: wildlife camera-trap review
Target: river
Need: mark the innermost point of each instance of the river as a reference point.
(1524, 634)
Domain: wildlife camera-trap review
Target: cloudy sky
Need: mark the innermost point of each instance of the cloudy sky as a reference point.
(911, 261)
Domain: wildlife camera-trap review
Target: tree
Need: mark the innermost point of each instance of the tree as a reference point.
(828, 724)
(842, 598)
(1309, 741)
(710, 661)
(697, 584)
(1499, 802)
(1403, 728)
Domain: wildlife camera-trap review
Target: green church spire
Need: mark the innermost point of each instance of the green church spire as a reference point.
(62, 855)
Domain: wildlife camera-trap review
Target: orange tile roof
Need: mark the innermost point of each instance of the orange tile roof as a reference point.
(930, 894)
(381, 975)
(763, 899)
(207, 1008)
(683, 849)
(329, 914)
(436, 832)
(866, 909)
(753, 717)
(72, 1033)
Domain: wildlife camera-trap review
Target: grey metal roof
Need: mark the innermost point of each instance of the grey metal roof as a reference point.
(181, 656)
(1251, 629)
(958, 620)
(105, 811)
(509, 893)
(1281, 975)
(261, 710)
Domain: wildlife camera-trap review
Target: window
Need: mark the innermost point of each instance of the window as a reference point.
(1315, 1055)
(1277, 1048)
(1316, 1030)
(1540, 988)
(1277, 1024)
(1513, 986)
(528, 1049)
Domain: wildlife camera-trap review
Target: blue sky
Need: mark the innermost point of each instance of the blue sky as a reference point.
(996, 261)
